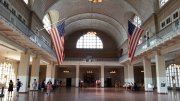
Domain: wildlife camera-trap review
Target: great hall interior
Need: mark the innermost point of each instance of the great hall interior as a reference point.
(95, 64)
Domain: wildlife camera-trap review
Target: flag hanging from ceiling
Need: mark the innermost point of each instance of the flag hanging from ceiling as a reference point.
(57, 38)
(134, 34)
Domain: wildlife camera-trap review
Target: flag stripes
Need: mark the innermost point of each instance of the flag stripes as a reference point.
(58, 42)
(134, 34)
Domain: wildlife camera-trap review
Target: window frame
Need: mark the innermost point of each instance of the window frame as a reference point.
(88, 41)
(162, 3)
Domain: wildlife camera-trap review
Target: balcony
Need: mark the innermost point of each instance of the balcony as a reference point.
(9, 19)
(168, 33)
(92, 59)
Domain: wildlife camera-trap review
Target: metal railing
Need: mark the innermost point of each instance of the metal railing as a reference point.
(91, 59)
(11, 19)
(166, 34)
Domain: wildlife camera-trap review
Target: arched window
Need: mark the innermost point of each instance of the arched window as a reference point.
(162, 2)
(173, 75)
(89, 41)
(47, 22)
(137, 21)
(26, 1)
(6, 73)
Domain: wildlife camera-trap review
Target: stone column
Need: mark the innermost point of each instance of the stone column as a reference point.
(77, 76)
(15, 66)
(35, 70)
(23, 71)
(53, 74)
(48, 72)
(125, 73)
(160, 73)
(130, 73)
(102, 75)
(147, 74)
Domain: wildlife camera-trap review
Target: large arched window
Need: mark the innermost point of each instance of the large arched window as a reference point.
(47, 22)
(162, 2)
(6, 73)
(26, 1)
(137, 21)
(173, 75)
(89, 41)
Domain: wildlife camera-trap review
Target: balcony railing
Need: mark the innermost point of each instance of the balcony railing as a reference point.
(8, 16)
(92, 59)
(166, 34)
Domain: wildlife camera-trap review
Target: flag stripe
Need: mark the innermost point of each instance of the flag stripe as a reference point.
(55, 44)
(134, 47)
(134, 34)
(57, 37)
(135, 38)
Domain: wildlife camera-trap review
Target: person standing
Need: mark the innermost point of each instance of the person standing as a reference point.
(34, 86)
(18, 86)
(10, 88)
(42, 86)
(49, 87)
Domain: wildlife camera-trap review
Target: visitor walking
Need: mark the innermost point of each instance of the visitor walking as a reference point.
(34, 86)
(10, 88)
(49, 87)
(18, 86)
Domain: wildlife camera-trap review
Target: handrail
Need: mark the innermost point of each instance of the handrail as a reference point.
(166, 34)
(91, 59)
(6, 14)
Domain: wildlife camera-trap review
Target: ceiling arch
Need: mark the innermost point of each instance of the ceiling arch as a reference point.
(119, 27)
(114, 13)
(98, 25)
(54, 16)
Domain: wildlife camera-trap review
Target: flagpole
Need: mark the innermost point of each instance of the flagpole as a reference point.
(51, 25)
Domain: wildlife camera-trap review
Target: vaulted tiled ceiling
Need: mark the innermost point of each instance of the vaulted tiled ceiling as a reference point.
(110, 16)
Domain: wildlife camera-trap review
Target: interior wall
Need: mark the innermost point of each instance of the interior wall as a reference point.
(109, 47)
(95, 70)
(42, 72)
(138, 75)
(116, 77)
(154, 75)
(61, 76)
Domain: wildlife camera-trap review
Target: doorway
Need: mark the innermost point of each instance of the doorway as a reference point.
(109, 82)
(68, 82)
(89, 80)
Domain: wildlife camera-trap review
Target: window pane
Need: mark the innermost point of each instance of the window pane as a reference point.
(89, 40)
(162, 2)
(137, 21)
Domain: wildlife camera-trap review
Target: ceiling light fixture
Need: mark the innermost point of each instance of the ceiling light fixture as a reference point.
(89, 72)
(112, 72)
(66, 71)
(92, 1)
(95, 1)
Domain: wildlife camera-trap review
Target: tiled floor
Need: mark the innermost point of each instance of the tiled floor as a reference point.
(94, 94)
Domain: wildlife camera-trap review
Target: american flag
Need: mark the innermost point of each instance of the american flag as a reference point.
(57, 38)
(134, 34)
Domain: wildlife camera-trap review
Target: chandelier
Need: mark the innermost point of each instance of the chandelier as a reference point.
(95, 1)
(91, 33)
